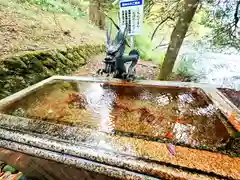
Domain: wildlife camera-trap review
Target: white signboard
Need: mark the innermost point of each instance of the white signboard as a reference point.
(131, 15)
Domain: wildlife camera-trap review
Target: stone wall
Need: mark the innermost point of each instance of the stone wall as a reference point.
(19, 72)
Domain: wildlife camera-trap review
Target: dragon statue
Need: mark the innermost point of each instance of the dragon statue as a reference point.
(115, 60)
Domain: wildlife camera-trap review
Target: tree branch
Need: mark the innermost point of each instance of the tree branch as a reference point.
(236, 18)
(163, 21)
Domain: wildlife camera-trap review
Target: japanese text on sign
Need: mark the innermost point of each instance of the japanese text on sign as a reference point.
(131, 15)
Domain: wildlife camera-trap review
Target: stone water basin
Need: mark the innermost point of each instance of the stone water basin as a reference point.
(142, 130)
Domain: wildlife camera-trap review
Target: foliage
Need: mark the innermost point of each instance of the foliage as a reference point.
(185, 66)
(148, 5)
(70, 7)
(223, 18)
(144, 44)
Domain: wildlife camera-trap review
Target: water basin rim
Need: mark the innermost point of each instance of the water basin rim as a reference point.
(69, 160)
(79, 151)
(20, 94)
(138, 82)
(88, 154)
(227, 101)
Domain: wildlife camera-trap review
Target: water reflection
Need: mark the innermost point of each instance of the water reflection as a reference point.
(183, 133)
(99, 102)
(177, 115)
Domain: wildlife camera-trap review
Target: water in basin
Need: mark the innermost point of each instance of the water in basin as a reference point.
(179, 115)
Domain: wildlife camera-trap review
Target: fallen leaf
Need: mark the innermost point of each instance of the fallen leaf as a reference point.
(171, 149)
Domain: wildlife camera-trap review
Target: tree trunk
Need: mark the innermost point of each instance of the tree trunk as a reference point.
(96, 16)
(177, 38)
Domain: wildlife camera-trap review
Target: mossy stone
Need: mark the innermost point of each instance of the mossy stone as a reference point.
(50, 63)
(36, 64)
(20, 72)
(53, 55)
(69, 50)
(26, 59)
(14, 83)
(85, 53)
(60, 65)
(62, 58)
(79, 58)
(70, 56)
(15, 62)
(47, 71)
(3, 70)
(81, 53)
(35, 77)
(42, 55)
(4, 93)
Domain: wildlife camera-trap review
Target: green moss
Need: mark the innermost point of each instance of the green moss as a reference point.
(35, 77)
(48, 72)
(15, 62)
(42, 55)
(81, 53)
(60, 65)
(66, 86)
(26, 59)
(14, 83)
(49, 63)
(53, 55)
(69, 50)
(20, 72)
(36, 65)
(70, 56)
(78, 58)
(62, 58)
(3, 70)
(4, 93)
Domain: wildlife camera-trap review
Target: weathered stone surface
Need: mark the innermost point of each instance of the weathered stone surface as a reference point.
(49, 63)
(78, 58)
(36, 65)
(70, 56)
(14, 82)
(3, 71)
(63, 59)
(21, 71)
(14, 63)
(81, 53)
